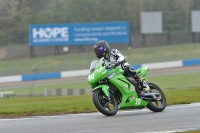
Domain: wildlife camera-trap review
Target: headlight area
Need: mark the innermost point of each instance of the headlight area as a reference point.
(91, 71)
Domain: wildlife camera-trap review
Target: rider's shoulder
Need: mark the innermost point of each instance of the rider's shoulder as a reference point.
(114, 51)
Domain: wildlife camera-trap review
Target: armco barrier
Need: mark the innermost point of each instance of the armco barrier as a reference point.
(76, 73)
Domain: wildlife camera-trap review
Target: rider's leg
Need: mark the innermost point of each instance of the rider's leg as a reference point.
(143, 85)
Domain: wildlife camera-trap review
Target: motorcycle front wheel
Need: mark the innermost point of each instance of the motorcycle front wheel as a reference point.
(103, 104)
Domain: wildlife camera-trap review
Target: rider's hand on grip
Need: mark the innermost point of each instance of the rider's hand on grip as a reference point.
(118, 63)
(111, 65)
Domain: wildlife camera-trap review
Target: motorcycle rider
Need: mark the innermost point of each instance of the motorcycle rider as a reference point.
(112, 58)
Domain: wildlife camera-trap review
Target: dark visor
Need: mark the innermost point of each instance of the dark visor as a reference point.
(99, 51)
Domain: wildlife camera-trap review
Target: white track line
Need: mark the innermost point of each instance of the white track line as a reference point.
(171, 131)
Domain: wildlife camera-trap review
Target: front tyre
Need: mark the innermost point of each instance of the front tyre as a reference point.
(105, 106)
(159, 104)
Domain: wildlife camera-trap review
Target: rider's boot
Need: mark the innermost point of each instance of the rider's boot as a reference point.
(143, 86)
(145, 91)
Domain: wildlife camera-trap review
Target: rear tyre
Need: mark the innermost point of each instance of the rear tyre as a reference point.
(159, 104)
(105, 106)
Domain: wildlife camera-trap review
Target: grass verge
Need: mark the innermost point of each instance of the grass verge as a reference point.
(78, 61)
(34, 106)
(193, 131)
(174, 81)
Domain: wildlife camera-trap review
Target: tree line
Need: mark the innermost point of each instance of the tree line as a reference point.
(17, 15)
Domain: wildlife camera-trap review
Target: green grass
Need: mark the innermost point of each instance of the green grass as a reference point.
(193, 131)
(175, 81)
(82, 60)
(17, 107)
(182, 96)
(34, 106)
(179, 89)
(41, 88)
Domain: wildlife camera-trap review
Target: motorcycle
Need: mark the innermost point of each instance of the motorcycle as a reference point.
(113, 90)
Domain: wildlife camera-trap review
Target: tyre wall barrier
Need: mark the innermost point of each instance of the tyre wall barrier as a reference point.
(66, 92)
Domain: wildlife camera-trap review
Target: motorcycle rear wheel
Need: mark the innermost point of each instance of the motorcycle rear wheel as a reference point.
(105, 106)
(156, 105)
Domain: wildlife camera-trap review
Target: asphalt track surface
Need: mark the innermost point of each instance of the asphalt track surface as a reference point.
(172, 119)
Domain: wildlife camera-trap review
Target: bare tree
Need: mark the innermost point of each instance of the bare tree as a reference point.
(8, 9)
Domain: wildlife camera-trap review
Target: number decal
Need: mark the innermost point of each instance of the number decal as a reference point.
(91, 77)
(138, 101)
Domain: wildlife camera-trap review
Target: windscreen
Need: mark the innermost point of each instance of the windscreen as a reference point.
(94, 64)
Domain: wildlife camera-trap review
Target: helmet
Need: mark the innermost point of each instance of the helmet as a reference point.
(101, 49)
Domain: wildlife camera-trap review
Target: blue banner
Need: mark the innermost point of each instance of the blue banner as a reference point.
(78, 34)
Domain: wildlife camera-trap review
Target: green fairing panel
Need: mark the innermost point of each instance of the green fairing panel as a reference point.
(142, 72)
(98, 74)
(94, 85)
(104, 88)
(129, 95)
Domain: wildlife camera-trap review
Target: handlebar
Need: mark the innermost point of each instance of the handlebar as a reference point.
(114, 65)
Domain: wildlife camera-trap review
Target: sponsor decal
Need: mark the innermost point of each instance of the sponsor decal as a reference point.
(99, 70)
(111, 75)
(104, 72)
(138, 101)
(131, 98)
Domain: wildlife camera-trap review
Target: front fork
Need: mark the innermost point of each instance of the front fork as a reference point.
(105, 89)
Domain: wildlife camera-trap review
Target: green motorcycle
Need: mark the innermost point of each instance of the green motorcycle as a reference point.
(113, 91)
